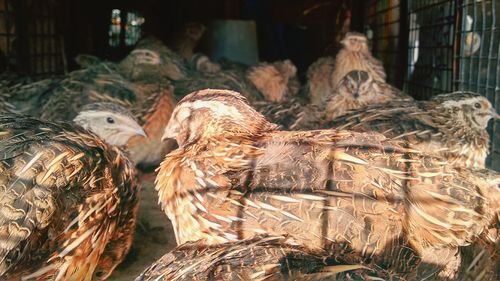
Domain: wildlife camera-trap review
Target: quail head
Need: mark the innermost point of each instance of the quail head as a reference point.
(355, 55)
(358, 89)
(111, 122)
(452, 125)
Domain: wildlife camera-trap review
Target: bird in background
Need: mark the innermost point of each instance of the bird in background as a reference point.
(275, 81)
(452, 125)
(358, 195)
(356, 90)
(325, 74)
(69, 196)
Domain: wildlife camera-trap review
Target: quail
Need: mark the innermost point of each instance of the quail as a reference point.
(152, 57)
(149, 97)
(275, 81)
(356, 90)
(359, 195)
(69, 194)
(451, 124)
(325, 74)
(257, 258)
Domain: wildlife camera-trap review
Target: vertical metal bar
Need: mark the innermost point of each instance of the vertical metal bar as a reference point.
(495, 161)
(481, 49)
(491, 54)
(22, 39)
(403, 43)
(471, 57)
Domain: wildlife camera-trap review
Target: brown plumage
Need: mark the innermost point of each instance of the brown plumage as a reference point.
(68, 199)
(153, 109)
(275, 81)
(149, 97)
(356, 90)
(325, 74)
(319, 79)
(355, 55)
(152, 57)
(357, 195)
(258, 258)
(201, 62)
(452, 125)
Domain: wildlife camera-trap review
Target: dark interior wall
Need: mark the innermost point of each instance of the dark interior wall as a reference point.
(301, 30)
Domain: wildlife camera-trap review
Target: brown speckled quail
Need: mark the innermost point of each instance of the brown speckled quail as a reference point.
(69, 196)
(152, 57)
(325, 74)
(452, 125)
(257, 258)
(149, 97)
(275, 81)
(357, 89)
(359, 195)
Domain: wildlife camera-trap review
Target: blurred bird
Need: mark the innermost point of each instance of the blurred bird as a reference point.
(202, 63)
(69, 194)
(326, 73)
(357, 195)
(149, 97)
(258, 258)
(153, 108)
(275, 81)
(186, 39)
(355, 55)
(452, 125)
(318, 79)
(152, 57)
(86, 60)
(356, 90)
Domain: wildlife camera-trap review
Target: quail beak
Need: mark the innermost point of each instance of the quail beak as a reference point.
(495, 114)
(141, 132)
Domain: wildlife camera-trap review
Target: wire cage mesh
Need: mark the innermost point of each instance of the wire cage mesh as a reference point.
(7, 35)
(44, 52)
(478, 58)
(383, 30)
(430, 47)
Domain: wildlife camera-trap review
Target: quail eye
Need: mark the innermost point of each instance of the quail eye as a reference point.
(110, 120)
(100, 273)
(477, 105)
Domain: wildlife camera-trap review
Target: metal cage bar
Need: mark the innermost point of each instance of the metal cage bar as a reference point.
(383, 30)
(430, 47)
(479, 59)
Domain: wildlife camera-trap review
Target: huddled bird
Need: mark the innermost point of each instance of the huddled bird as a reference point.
(451, 124)
(359, 195)
(325, 74)
(356, 90)
(69, 196)
(275, 81)
(150, 97)
(201, 62)
(151, 57)
(257, 258)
